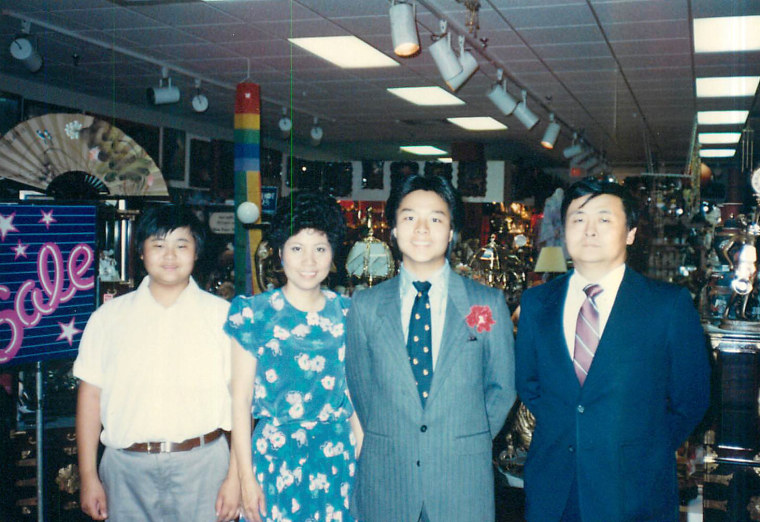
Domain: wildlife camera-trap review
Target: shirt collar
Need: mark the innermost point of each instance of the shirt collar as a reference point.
(609, 283)
(437, 279)
(144, 295)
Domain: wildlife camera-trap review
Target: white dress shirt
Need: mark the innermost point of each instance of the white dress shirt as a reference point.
(163, 372)
(576, 296)
(438, 293)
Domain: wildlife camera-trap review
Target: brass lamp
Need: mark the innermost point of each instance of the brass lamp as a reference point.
(485, 264)
(370, 259)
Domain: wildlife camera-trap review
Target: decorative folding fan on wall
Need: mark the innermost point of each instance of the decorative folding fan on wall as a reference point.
(37, 151)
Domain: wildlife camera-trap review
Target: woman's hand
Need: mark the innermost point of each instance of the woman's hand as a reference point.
(254, 503)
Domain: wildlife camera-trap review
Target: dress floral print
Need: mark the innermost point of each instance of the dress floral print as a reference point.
(303, 447)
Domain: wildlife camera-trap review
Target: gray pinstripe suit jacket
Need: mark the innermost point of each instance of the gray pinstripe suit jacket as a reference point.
(439, 456)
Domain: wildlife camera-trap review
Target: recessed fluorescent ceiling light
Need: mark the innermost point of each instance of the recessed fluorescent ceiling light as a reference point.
(713, 138)
(446, 160)
(721, 117)
(425, 95)
(478, 123)
(423, 150)
(729, 87)
(727, 34)
(347, 52)
(717, 153)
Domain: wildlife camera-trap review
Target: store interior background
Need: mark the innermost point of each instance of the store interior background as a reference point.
(619, 77)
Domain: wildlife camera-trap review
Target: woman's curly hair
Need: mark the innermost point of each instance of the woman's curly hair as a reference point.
(315, 210)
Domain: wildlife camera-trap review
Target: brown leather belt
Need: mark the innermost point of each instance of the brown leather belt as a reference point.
(169, 447)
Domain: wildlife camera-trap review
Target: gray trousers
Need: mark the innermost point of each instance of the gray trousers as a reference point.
(164, 487)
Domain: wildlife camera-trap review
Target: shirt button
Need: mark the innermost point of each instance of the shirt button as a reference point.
(423, 428)
(571, 449)
(581, 409)
(418, 463)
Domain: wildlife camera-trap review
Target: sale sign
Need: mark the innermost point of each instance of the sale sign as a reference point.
(47, 279)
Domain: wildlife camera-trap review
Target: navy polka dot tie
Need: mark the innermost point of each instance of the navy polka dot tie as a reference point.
(420, 340)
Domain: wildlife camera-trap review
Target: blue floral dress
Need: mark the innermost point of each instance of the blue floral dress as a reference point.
(303, 447)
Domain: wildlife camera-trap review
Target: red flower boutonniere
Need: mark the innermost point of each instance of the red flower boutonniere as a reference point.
(481, 318)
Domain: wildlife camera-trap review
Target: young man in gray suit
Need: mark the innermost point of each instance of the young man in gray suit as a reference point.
(430, 369)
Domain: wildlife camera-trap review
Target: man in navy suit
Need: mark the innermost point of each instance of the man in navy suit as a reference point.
(615, 369)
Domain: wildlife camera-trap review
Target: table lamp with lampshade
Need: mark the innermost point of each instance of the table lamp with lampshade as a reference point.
(551, 261)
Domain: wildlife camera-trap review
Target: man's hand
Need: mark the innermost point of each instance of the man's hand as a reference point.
(92, 498)
(228, 500)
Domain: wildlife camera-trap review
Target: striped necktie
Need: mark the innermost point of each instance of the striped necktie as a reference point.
(587, 333)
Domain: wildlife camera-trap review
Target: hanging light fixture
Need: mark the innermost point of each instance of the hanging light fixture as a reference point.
(199, 101)
(444, 57)
(165, 92)
(316, 133)
(285, 124)
(469, 66)
(499, 95)
(574, 149)
(23, 50)
(406, 42)
(590, 162)
(551, 133)
(526, 116)
(576, 160)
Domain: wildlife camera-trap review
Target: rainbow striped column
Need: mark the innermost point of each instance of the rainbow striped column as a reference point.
(247, 181)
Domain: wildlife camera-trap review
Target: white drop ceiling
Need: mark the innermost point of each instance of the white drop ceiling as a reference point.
(622, 72)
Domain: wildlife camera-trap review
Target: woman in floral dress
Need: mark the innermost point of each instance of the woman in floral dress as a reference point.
(288, 348)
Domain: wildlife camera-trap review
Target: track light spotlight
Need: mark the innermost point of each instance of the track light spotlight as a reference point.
(576, 160)
(406, 42)
(469, 66)
(500, 97)
(591, 162)
(551, 133)
(165, 92)
(23, 50)
(285, 124)
(316, 133)
(573, 150)
(199, 102)
(526, 116)
(444, 57)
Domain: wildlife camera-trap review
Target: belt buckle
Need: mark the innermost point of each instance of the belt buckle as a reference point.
(158, 447)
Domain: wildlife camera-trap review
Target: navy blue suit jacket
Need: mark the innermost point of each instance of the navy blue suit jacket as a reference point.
(646, 390)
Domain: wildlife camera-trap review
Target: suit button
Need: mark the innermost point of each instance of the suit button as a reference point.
(571, 449)
(580, 408)
(418, 463)
(423, 428)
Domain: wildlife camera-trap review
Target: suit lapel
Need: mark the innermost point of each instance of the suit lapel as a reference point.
(455, 331)
(390, 329)
(553, 330)
(625, 308)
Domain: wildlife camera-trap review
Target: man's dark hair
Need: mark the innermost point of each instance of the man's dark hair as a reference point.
(302, 210)
(593, 187)
(160, 220)
(437, 184)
